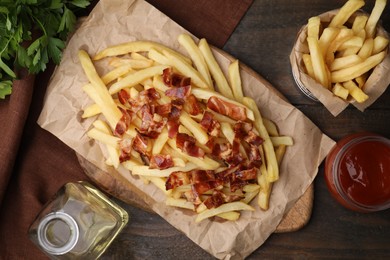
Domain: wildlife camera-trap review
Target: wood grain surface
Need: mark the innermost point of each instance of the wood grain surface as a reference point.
(263, 40)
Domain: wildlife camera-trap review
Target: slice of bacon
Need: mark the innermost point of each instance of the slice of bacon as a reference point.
(178, 92)
(172, 79)
(226, 108)
(212, 126)
(140, 144)
(177, 179)
(188, 145)
(193, 106)
(253, 139)
(215, 200)
(245, 175)
(163, 110)
(123, 96)
(199, 176)
(161, 161)
(123, 123)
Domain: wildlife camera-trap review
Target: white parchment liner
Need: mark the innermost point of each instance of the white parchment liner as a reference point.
(113, 22)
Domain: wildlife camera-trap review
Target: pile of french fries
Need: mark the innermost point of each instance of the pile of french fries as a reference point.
(138, 66)
(342, 55)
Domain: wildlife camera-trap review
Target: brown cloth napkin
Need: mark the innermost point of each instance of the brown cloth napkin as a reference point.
(34, 164)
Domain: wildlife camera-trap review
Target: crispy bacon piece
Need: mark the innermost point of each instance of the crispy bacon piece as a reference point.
(222, 151)
(188, 145)
(123, 96)
(253, 139)
(172, 79)
(123, 124)
(161, 161)
(178, 92)
(254, 157)
(245, 175)
(125, 146)
(228, 109)
(177, 179)
(212, 126)
(140, 144)
(149, 127)
(193, 106)
(216, 200)
(163, 110)
(199, 176)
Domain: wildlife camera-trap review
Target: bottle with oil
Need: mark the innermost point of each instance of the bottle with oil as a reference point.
(80, 222)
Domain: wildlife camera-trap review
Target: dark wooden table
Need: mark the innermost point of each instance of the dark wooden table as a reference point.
(263, 40)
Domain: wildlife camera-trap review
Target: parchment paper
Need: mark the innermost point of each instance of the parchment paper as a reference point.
(114, 22)
(375, 85)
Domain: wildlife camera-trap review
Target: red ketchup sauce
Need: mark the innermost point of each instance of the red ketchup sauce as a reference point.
(357, 172)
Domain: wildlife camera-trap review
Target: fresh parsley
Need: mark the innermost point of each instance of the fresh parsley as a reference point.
(33, 32)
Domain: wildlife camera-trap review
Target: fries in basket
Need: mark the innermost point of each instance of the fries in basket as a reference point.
(162, 119)
(342, 54)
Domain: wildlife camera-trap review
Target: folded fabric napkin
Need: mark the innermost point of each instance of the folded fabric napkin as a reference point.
(34, 164)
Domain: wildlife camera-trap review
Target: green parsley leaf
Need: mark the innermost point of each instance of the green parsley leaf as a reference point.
(50, 21)
(5, 88)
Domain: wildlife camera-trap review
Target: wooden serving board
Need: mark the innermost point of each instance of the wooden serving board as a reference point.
(117, 186)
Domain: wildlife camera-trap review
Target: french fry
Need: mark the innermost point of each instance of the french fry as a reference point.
(196, 55)
(355, 91)
(136, 46)
(354, 41)
(235, 80)
(132, 63)
(116, 73)
(318, 62)
(358, 69)
(103, 137)
(343, 35)
(313, 27)
(359, 24)
(366, 49)
(340, 91)
(271, 127)
(160, 141)
(380, 43)
(136, 78)
(306, 58)
(281, 140)
(345, 12)
(144, 170)
(374, 17)
(345, 62)
(194, 127)
(232, 206)
(91, 110)
(101, 96)
(181, 203)
(215, 70)
(327, 36)
(231, 215)
(361, 80)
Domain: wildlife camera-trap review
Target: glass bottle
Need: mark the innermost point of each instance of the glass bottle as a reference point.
(80, 222)
(357, 172)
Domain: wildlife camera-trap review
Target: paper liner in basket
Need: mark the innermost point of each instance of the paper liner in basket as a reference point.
(375, 85)
(114, 22)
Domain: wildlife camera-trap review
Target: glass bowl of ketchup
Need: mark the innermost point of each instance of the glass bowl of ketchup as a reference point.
(357, 172)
